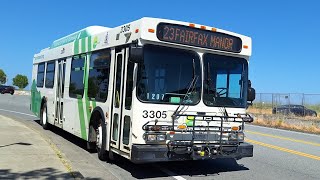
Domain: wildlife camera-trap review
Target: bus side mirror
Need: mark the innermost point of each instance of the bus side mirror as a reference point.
(251, 93)
(136, 54)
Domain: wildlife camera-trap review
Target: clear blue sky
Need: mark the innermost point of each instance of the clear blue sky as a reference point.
(286, 35)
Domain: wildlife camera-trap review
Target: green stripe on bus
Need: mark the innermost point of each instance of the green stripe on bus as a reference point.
(35, 99)
(76, 47)
(82, 123)
(89, 43)
(86, 89)
(83, 45)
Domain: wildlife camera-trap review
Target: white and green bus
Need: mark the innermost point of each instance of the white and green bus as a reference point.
(149, 90)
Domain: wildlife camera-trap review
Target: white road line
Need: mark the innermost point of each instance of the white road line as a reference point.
(170, 173)
(18, 112)
(262, 127)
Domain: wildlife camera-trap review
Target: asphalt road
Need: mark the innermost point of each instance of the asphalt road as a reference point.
(278, 154)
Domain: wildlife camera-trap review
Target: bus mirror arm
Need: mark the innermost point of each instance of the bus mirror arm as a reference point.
(136, 54)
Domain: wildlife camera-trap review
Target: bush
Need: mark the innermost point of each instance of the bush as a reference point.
(3, 77)
(21, 81)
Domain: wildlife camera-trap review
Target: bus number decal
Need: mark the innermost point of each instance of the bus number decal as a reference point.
(125, 28)
(154, 114)
(155, 96)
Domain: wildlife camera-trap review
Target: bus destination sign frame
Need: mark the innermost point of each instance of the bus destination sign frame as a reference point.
(191, 36)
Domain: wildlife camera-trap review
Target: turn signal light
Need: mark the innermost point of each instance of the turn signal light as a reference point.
(151, 30)
(235, 128)
(182, 127)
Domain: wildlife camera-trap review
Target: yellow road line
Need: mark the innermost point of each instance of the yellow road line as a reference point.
(283, 138)
(284, 149)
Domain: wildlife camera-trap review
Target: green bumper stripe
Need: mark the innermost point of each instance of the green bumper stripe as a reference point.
(82, 123)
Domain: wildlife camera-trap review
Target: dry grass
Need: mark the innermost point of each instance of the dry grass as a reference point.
(259, 110)
(280, 123)
(268, 111)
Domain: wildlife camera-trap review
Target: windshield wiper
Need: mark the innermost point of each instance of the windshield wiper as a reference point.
(210, 82)
(190, 89)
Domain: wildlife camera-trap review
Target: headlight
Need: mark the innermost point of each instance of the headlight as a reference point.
(236, 136)
(240, 136)
(155, 137)
(161, 137)
(151, 137)
(233, 137)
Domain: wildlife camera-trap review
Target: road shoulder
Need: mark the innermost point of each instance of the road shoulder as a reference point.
(25, 154)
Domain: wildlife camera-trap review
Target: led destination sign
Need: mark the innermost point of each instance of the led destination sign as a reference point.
(198, 37)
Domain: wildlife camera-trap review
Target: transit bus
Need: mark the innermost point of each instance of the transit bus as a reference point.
(150, 90)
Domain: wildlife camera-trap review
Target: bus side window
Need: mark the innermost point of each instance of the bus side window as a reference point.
(76, 87)
(99, 71)
(40, 75)
(50, 74)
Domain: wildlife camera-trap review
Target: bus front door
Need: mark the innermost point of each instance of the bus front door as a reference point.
(60, 93)
(121, 117)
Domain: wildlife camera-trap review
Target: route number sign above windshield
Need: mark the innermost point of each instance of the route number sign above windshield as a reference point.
(198, 37)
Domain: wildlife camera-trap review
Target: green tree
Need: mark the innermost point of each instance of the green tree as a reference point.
(3, 77)
(21, 81)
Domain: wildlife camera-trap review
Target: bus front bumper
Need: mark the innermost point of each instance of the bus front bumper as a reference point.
(158, 153)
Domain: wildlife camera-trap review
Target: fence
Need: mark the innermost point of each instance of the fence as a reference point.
(284, 110)
(266, 102)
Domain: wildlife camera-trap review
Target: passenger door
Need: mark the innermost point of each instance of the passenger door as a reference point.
(60, 93)
(121, 118)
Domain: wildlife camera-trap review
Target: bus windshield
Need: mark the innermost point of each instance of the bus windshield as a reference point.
(166, 75)
(224, 81)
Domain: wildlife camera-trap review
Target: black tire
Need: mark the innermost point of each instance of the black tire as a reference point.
(11, 92)
(101, 150)
(91, 146)
(44, 114)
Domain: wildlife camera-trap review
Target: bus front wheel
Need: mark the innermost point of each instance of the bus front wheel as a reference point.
(44, 117)
(100, 130)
